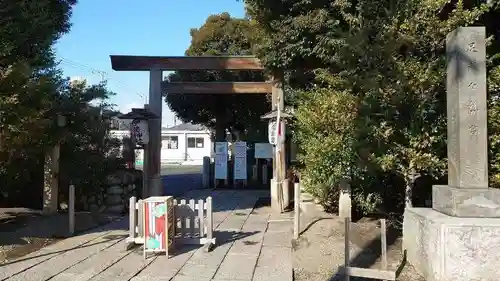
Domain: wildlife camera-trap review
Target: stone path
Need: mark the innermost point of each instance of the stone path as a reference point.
(253, 244)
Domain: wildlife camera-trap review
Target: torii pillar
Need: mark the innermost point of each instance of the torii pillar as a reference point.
(153, 160)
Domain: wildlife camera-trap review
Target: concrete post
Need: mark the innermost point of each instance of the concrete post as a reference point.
(345, 205)
(296, 217)
(206, 172)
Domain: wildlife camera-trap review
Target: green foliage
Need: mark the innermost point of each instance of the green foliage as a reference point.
(373, 102)
(494, 126)
(221, 35)
(32, 94)
(88, 154)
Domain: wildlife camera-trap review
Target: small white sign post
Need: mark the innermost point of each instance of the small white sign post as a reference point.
(240, 161)
(221, 157)
(263, 150)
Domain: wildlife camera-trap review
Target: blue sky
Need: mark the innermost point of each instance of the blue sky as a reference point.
(130, 27)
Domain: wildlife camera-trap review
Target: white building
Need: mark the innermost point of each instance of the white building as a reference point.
(182, 144)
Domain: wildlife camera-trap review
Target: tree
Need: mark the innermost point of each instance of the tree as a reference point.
(385, 59)
(221, 35)
(33, 93)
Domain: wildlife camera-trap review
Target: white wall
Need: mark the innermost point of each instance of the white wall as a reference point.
(197, 153)
(183, 153)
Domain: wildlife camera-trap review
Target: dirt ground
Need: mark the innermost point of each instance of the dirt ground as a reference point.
(320, 251)
(23, 231)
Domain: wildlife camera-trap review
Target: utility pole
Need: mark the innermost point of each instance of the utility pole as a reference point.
(101, 73)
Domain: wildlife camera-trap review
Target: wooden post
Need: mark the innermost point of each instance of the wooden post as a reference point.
(71, 209)
(347, 258)
(145, 165)
(296, 221)
(279, 166)
(154, 159)
(51, 180)
(383, 242)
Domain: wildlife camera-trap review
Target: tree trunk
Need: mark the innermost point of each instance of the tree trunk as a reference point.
(220, 128)
(410, 182)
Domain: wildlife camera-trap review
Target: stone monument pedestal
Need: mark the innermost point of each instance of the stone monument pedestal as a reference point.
(446, 248)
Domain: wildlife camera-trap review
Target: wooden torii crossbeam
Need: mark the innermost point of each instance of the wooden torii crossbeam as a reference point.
(146, 63)
(156, 64)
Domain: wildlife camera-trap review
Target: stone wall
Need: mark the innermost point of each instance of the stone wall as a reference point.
(115, 197)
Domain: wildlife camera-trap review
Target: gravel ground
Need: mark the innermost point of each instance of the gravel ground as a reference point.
(320, 251)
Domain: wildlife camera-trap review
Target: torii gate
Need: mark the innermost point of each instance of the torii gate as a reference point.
(156, 65)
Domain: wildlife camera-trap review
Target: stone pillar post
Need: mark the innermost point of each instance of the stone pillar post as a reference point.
(459, 238)
(467, 193)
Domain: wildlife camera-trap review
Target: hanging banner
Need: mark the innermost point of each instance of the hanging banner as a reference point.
(272, 132)
(221, 158)
(240, 160)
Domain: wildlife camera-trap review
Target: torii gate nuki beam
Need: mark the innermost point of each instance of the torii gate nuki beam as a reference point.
(157, 64)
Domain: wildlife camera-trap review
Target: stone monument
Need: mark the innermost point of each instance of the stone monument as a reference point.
(459, 238)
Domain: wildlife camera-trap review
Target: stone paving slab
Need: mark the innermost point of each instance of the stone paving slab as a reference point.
(278, 239)
(213, 258)
(237, 267)
(13, 267)
(189, 278)
(125, 268)
(65, 260)
(280, 227)
(94, 265)
(198, 270)
(274, 263)
(231, 225)
(249, 245)
(248, 248)
(165, 267)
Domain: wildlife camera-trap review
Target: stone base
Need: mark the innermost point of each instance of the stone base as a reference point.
(466, 202)
(445, 248)
(280, 199)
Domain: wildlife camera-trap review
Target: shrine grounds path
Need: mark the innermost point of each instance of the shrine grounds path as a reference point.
(253, 244)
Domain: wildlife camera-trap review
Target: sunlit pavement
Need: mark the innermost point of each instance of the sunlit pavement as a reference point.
(253, 244)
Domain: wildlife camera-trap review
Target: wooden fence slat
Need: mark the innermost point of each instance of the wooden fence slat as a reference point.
(200, 218)
(176, 224)
(140, 219)
(347, 258)
(191, 217)
(383, 238)
(183, 218)
(209, 218)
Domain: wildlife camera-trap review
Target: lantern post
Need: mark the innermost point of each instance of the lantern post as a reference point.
(139, 139)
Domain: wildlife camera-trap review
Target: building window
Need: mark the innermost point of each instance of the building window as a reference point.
(170, 142)
(196, 142)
